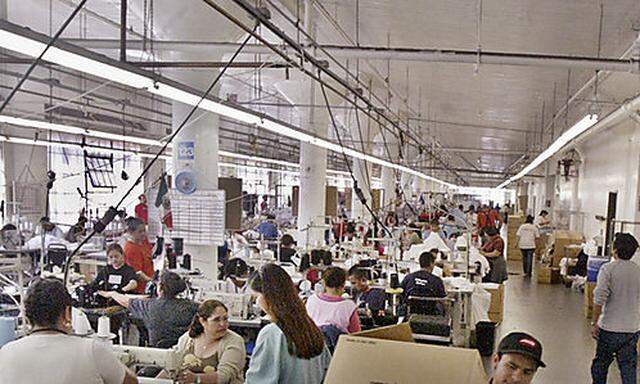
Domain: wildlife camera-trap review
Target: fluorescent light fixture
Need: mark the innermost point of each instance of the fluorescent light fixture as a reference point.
(32, 44)
(64, 128)
(576, 130)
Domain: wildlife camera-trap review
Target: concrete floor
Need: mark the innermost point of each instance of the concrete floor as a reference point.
(553, 314)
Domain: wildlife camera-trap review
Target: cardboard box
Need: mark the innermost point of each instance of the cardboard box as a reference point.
(560, 239)
(588, 299)
(385, 356)
(496, 308)
(548, 275)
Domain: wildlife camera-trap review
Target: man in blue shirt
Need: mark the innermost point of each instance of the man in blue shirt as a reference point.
(373, 298)
(268, 228)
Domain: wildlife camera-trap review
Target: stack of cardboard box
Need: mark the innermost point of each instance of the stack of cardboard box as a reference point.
(564, 245)
(588, 299)
(513, 252)
(496, 309)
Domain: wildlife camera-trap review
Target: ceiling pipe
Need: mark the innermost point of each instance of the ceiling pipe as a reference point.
(483, 150)
(397, 54)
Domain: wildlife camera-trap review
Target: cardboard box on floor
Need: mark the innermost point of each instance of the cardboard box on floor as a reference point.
(389, 356)
(560, 240)
(496, 308)
(588, 299)
(548, 275)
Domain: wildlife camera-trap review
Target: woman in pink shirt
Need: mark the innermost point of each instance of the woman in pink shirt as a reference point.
(330, 308)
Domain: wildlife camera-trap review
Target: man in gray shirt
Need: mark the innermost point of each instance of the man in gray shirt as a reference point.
(616, 313)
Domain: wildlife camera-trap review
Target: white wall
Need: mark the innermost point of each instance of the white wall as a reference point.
(611, 164)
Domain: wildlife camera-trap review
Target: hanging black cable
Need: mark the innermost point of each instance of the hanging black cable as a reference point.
(39, 58)
(113, 210)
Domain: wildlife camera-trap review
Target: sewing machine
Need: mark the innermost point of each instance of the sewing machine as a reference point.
(168, 359)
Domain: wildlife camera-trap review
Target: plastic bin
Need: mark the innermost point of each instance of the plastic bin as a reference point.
(593, 267)
(485, 337)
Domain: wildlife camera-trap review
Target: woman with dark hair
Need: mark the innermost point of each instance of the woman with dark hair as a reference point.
(236, 274)
(493, 250)
(166, 317)
(291, 349)
(330, 308)
(210, 352)
(526, 238)
(49, 354)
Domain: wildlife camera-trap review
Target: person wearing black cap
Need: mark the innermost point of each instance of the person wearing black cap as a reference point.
(616, 312)
(518, 358)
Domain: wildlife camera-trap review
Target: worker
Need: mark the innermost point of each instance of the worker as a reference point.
(330, 308)
(434, 227)
(495, 218)
(543, 221)
(482, 219)
(210, 352)
(166, 317)
(449, 227)
(423, 283)
(268, 228)
(616, 312)
(77, 231)
(137, 252)
(364, 295)
(46, 226)
(236, 275)
(142, 210)
(526, 237)
(9, 237)
(410, 236)
(517, 359)
(291, 349)
(49, 353)
(49, 233)
(117, 276)
(493, 250)
(287, 250)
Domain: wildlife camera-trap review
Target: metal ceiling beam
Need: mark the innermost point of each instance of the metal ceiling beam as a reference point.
(469, 125)
(431, 55)
(484, 150)
(177, 64)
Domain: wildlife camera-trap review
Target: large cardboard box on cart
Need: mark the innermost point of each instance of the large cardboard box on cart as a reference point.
(389, 355)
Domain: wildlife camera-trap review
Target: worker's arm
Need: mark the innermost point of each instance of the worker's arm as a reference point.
(130, 287)
(120, 298)
(595, 329)
(600, 296)
(143, 276)
(130, 377)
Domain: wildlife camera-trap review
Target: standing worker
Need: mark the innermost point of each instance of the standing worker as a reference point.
(616, 313)
(526, 239)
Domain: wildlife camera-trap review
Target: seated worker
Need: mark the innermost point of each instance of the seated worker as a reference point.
(137, 252)
(434, 227)
(116, 276)
(46, 226)
(518, 358)
(48, 229)
(166, 317)
(330, 308)
(493, 249)
(372, 298)
(268, 228)
(49, 353)
(450, 227)
(310, 268)
(210, 352)
(77, 231)
(423, 283)
(287, 250)
(236, 275)
(9, 237)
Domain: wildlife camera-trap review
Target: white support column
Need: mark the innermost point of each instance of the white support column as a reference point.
(202, 135)
(388, 185)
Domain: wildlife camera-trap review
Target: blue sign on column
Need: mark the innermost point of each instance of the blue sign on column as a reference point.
(186, 150)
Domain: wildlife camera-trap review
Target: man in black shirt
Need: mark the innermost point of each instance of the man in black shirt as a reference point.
(116, 276)
(286, 248)
(423, 283)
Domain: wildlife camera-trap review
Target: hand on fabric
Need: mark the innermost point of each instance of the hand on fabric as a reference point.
(187, 377)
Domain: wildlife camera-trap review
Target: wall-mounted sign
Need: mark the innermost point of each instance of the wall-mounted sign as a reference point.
(186, 150)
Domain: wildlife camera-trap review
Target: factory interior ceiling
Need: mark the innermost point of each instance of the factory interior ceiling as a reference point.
(465, 91)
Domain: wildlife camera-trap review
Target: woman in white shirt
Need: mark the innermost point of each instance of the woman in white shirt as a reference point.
(50, 354)
(526, 238)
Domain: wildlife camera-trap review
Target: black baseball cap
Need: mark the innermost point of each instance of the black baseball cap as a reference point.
(522, 344)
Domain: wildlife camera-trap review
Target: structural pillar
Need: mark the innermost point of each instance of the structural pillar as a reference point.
(196, 151)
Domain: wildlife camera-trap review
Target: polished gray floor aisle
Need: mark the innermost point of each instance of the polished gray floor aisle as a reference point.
(553, 314)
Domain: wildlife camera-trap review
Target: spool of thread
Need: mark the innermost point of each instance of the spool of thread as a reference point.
(80, 323)
(186, 261)
(104, 326)
(7, 330)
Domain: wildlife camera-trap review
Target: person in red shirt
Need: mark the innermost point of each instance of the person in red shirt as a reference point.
(495, 218)
(483, 220)
(137, 252)
(141, 210)
(493, 250)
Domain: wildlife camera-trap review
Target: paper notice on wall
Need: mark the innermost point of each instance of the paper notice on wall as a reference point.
(199, 218)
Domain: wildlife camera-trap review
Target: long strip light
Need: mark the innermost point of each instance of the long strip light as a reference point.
(576, 130)
(64, 128)
(32, 44)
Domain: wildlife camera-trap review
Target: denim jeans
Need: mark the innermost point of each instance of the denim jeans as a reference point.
(527, 260)
(622, 347)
